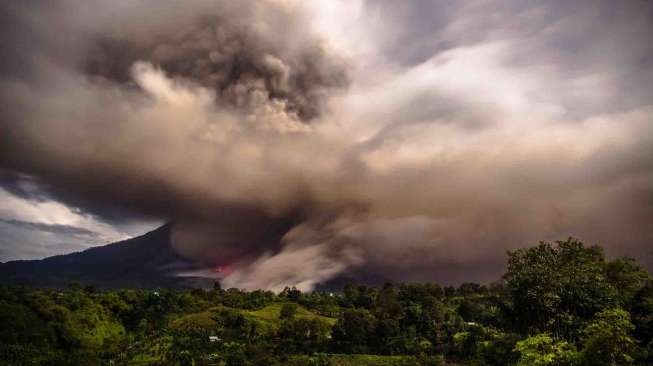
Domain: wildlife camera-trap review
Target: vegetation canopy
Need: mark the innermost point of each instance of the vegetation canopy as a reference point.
(559, 303)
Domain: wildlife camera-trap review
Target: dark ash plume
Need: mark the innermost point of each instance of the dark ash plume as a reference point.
(247, 59)
(288, 163)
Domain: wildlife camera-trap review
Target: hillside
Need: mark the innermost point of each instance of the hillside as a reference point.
(268, 317)
(144, 261)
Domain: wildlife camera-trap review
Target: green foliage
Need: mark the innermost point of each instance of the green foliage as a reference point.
(554, 299)
(271, 315)
(542, 350)
(372, 360)
(496, 348)
(288, 311)
(21, 325)
(354, 331)
(558, 288)
(642, 318)
(628, 278)
(303, 335)
(607, 339)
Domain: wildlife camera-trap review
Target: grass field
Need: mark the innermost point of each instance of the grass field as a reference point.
(271, 314)
(268, 317)
(202, 319)
(369, 360)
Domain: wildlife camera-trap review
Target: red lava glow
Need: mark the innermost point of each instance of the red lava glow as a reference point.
(222, 269)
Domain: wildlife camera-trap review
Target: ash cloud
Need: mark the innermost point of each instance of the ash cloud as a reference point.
(23, 185)
(249, 55)
(292, 142)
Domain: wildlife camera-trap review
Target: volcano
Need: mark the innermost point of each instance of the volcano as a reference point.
(146, 261)
(141, 262)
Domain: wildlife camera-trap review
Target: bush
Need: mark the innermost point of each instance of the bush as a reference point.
(607, 340)
(288, 310)
(542, 350)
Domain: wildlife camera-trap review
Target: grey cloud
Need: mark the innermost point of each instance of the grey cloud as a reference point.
(23, 185)
(475, 133)
(416, 29)
(27, 242)
(592, 45)
(52, 228)
(33, 188)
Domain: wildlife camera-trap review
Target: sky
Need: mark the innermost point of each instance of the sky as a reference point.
(293, 141)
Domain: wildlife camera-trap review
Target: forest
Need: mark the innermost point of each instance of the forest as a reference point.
(560, 303)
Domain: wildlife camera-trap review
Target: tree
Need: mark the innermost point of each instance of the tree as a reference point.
(642, 316)
(217, 286)
(234, 354)
(558, 288)
(360, 296)
(607, 339)
(418, 293)
(627, 277)
(288, 310)
(303, 336)
(497, 348)
(353, 331)
(291, 293)
(20, 325)
(468, 288)
(542, 350)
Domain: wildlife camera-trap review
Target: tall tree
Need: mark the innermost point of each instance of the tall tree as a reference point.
(556, 288)
(607, 340)
(628, 277)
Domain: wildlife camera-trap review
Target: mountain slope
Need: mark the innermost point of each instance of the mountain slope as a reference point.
(144, 261)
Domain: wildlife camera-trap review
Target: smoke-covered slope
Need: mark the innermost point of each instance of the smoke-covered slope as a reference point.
(144, 261)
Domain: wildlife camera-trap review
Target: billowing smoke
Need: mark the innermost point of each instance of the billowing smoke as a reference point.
(250, 56)
(290, 157)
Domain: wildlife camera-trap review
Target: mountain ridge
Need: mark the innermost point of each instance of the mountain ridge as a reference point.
(146, 261)
(143, 261)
